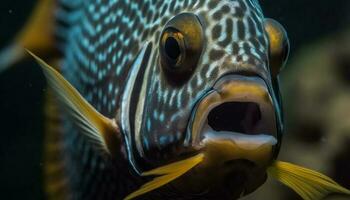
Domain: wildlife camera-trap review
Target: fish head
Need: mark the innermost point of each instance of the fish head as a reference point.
(212, 87)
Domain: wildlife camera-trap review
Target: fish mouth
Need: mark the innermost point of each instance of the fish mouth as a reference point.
(239, 111)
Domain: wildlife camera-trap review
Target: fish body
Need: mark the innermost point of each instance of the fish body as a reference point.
(100, 42)
(184, 91)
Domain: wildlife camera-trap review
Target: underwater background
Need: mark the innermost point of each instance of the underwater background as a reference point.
(315, 90)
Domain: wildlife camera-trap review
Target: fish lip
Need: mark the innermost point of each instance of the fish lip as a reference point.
(243, 141)
(199, 142)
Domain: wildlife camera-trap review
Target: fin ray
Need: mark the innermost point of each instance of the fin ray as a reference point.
(168, 173)
(309, 184)
(97, 128)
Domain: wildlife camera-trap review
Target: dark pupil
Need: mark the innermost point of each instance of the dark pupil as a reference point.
(172, 48)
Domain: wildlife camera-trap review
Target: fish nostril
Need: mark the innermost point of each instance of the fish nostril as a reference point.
(239, 117)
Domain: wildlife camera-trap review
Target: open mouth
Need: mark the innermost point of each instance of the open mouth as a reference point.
(246, 115)
(238, 109)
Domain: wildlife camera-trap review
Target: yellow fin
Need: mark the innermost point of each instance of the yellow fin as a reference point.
(309, 184)
(100, 130)
(168, 173)
(37, 35)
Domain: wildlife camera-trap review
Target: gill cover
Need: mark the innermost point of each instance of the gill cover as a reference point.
(132, 104)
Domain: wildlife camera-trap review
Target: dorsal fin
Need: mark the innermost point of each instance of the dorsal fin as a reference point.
(101, 131)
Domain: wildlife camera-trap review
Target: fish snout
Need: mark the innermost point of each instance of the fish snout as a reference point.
(236, 120)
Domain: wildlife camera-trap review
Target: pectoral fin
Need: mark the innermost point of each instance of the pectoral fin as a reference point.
(100, 130)
(166, 174)
(310, 185)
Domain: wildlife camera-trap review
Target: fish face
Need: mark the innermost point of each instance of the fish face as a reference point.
(236, 125)
(209, 85)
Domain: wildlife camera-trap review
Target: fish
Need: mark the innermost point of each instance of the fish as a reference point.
(168, 100)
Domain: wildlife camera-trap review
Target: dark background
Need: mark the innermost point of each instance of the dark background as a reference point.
(22, 87)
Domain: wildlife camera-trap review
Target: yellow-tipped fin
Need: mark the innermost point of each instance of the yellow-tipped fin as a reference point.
(167, 174)
(97, 128)
(309, 184)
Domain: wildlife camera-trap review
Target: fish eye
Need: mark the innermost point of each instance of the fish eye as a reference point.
(181, 46)
(174, 47)
(279, 45)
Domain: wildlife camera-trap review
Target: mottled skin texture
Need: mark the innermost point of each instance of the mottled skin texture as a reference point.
(99, 40)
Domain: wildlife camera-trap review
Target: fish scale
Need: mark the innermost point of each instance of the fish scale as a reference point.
(99, 40)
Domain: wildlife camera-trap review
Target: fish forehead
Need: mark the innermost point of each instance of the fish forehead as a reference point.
(235, 41)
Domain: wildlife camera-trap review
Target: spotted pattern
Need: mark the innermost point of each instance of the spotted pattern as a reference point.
(235, 41)
(99, 40)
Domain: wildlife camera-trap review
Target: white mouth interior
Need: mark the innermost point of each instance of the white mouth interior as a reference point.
(243, 141)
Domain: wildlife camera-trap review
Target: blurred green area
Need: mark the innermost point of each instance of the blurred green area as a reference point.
(315, 89)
